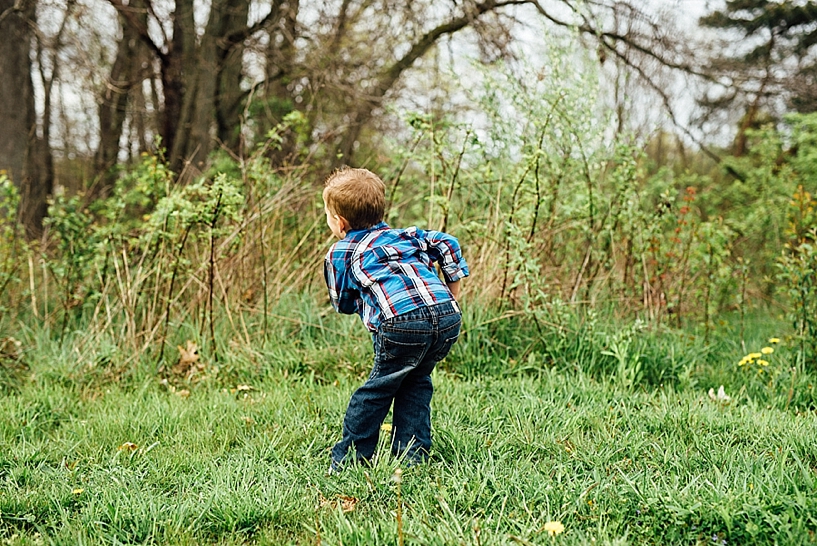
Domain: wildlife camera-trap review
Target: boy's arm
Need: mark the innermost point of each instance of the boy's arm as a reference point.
(344, 300)
(454, 288)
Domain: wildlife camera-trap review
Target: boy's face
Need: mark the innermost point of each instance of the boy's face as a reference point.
(336, 223)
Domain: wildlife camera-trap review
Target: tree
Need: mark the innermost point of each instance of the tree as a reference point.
(16, 95)
(124, 78)
(772, 66)
(201, 73)
(353, 70)
(24, 154)
(340, 63)
(382, 80)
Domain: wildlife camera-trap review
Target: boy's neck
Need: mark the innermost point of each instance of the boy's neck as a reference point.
(381, 224)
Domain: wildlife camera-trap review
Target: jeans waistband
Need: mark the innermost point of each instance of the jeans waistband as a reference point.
(445, 308)
(429, 311)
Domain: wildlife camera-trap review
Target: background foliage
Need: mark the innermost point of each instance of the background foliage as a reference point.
(560, 222)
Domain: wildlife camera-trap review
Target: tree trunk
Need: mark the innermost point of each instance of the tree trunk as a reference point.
(113, 106)
(229, 98)
(216, 109)
(279, 71)
(200, 105)
(178, 66)
(139, 130)
(16, 93)
(23, 155)
(280, 57)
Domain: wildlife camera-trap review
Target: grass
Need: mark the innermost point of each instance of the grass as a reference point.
(239, 455)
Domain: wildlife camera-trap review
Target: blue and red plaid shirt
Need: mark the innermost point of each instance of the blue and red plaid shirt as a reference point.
(380, 272)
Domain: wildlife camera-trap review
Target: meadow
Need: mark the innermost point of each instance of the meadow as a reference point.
(236, 451)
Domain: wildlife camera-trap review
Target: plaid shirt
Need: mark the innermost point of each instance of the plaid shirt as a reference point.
(380, 273)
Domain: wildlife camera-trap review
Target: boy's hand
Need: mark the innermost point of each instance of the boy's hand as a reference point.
(454, 288)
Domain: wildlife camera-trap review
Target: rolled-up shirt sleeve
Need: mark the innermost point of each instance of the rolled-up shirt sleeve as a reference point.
(444, 249)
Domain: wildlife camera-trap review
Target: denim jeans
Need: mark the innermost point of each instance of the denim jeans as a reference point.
(406, 349)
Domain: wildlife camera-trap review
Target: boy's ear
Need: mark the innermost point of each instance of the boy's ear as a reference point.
(343, 223)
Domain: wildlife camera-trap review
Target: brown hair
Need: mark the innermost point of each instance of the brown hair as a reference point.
(356, 194)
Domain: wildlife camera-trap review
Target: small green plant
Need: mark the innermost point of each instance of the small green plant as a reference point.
(623, 347)
(12, 244)
(713, 267)
(77, 248)
(797, 273)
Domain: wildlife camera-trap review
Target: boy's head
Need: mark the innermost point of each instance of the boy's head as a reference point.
(356, 195)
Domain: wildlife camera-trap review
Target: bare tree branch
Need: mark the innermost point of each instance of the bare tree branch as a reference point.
(341, 26)
(140, 27)
(668, 106)
(587, 28)
(18, 6)
(391, 74)
(430, 38)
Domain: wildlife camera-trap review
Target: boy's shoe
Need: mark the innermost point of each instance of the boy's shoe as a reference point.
(334, 468)
(409, 459)
(411, 462)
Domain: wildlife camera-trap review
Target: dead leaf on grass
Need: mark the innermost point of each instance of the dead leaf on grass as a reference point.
(128, 446)
(10, 348)
(188, 368)
(188, 357)
(346, 504)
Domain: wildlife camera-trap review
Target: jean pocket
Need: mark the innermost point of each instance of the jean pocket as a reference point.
(406, 349)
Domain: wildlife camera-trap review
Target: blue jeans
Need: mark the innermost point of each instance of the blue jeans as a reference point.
(406, 349)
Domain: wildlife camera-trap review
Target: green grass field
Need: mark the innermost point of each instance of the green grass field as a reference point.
(90, 454)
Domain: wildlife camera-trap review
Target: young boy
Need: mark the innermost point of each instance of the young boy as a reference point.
(387, 277)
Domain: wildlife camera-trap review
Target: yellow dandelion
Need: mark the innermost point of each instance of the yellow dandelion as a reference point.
(554, 528)
(762, 363)
(754, 355)
(78, 491)
(774, 340)
(385, 427)
(767, 350)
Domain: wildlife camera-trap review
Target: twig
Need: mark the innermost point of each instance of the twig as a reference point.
(454, 176)
(170, 290)
(211, 273)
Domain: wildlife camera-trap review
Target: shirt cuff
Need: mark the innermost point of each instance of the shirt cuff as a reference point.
(453, 274)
